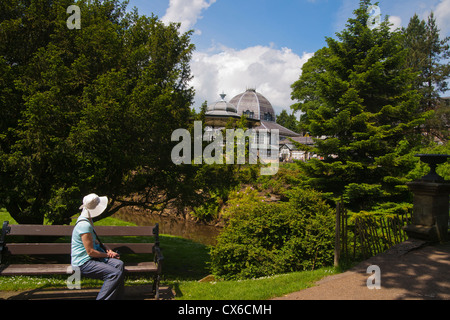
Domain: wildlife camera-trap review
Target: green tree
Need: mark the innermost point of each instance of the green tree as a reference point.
(288, 121)
(358, 94)
(90, 110)
(425, 56)
(201, 115)
(426, 53)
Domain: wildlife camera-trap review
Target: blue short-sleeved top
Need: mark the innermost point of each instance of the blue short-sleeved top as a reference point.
(78, 251)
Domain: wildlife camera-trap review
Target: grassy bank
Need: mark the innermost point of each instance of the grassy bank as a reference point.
(185, 263)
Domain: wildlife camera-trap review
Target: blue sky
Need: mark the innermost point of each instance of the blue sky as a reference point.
(264, 43)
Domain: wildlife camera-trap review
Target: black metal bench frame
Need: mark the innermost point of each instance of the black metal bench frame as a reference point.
(40, 248)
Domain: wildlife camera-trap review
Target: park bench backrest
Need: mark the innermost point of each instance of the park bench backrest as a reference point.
(42, 248)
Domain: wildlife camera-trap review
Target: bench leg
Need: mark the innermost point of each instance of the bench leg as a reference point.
(156, 280)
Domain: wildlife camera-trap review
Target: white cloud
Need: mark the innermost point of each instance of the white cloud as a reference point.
(396, 21)
(271, 71)
(187, 12)
(442, 14)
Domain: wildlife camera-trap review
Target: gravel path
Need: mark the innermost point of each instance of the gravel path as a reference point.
(412, 270)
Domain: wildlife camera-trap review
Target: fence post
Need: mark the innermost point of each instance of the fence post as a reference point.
(337, 236)
(343, 230)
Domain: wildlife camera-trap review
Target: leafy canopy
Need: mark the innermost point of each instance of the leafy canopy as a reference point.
(90, 110)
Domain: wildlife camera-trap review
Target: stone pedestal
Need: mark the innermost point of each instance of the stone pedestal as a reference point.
(431, 206)
(431, 210)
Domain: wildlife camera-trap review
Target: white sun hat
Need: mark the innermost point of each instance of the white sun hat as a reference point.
(93, 205)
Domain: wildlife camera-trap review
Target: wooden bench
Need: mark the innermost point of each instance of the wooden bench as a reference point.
(40, 249)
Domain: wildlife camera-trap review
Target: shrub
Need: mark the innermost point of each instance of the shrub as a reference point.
(273, 238)
(241, 201)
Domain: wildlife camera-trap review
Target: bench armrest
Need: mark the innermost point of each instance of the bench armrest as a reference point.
(158, 255)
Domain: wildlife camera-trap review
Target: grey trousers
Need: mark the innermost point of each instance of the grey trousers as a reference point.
(111, 272)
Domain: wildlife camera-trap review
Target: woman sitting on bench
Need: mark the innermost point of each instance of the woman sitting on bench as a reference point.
(90, 255)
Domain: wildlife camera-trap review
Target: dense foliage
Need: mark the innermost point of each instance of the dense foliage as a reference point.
(91, 109)
(268, 238)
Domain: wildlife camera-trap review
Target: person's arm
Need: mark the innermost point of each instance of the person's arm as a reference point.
(88, 243)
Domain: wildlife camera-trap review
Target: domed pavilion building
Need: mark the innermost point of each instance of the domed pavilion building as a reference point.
(260, 116)
(254, 106)
(220, 112)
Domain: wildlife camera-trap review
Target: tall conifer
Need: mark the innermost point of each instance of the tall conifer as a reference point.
(358, 96)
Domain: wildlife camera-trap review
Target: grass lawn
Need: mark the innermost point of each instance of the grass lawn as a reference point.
(255, 289)
(185, 262)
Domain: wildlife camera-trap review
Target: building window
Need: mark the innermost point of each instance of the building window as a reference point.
(268, 116)
(249, 114)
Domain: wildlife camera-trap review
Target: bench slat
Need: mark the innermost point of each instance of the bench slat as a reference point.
(41, 230)
(38, 248)
(34, 269)
(48, 269)
(125, 248)
(124, 231)
(65, 248)
(141, 267)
